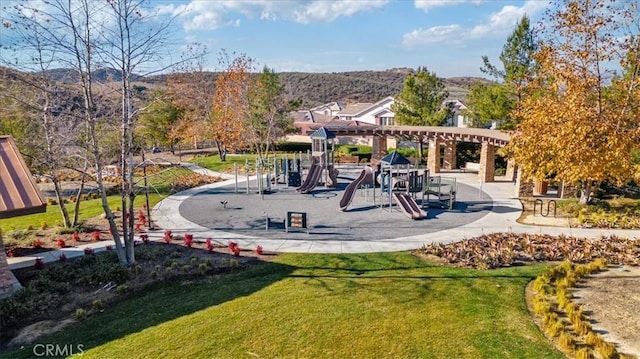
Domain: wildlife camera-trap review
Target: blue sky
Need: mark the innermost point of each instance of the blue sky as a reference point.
(447, 36)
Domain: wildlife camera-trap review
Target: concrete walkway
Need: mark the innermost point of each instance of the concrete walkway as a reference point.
(502, 218)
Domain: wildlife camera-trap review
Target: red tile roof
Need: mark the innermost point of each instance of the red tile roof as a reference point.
(19, 194)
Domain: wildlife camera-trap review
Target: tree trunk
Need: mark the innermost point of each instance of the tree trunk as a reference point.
(83, 181)
(221, 151)
(60, 198)
(586, 195)
(76, 212)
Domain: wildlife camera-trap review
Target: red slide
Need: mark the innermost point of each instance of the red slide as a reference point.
(409, 206)
(350, 191)
(313, 177)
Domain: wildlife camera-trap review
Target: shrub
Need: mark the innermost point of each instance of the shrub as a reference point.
(259, 250)
(188, 240)
(62, 257)
(566, 341)
(60, 243)
(37, 243)
(167, 236)
(43, 225)
(39, 264)
(137, 269)
(88, 251)
(122, 289)
(593, 339)
(606, 350)
(98, 305)
(75, 236)
(145, 238)
(18, 235)
(81, 314)
(95, 235)
(141, 217)
(292, 146)
(584, 353)
(203, 268)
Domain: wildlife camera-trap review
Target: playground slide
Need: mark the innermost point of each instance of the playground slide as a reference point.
(350, 191)
(313, 177)
(414, 206)
(408, 206)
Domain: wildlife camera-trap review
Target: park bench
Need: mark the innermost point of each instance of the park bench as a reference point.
(349, 159)
(471, 167)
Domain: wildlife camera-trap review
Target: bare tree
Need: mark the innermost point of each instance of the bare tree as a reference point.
(130, 42)
(38, 94)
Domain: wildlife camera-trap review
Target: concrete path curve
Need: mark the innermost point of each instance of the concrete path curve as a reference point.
(501, 218)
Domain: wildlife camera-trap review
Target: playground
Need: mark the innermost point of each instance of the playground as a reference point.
(369, 215)
(309, 197)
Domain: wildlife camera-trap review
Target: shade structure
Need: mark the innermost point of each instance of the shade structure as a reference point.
(323, 134)
(19, 194)
(395, 158)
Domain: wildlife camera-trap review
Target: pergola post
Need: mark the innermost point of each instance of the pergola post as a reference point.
(378, 147)
(487, 163)
(449, 161)
(510, 172)
(433, 157)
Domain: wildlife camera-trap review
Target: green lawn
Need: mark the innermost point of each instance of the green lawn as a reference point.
(158, 189)
(214, 163)
(388, 305)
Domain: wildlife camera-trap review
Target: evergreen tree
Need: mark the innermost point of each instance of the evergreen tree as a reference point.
(420, 102)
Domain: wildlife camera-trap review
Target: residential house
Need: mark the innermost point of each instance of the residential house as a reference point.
(378, 113)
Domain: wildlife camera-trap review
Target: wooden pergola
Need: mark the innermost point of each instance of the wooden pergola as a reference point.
(435, 136)
(19, 195)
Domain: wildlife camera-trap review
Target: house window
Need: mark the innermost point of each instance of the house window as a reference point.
(387, 121)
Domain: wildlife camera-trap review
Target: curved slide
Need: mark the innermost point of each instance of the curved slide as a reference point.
(350, 191)
(313, 177)
(409, 206)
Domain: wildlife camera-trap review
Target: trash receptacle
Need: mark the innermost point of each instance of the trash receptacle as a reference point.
(294, 179)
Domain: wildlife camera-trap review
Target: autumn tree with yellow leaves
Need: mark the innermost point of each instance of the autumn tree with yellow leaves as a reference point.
(579, 118)
(190, 90)
(230, 106)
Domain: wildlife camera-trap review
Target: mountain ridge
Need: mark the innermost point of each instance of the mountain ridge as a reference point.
(312, 88)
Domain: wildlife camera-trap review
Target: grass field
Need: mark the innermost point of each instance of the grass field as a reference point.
(387, 305)
(159, 183)
(214, 163)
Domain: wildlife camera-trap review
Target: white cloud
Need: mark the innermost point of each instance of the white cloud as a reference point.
(431, 35)
(425, 5)
(497, 24)
(204, 14)
(328, 11)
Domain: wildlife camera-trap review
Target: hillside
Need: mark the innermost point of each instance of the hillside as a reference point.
(316, 88)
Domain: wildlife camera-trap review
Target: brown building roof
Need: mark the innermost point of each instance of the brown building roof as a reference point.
(19, 194)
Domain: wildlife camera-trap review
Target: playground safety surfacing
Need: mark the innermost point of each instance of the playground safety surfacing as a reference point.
(369, 216)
